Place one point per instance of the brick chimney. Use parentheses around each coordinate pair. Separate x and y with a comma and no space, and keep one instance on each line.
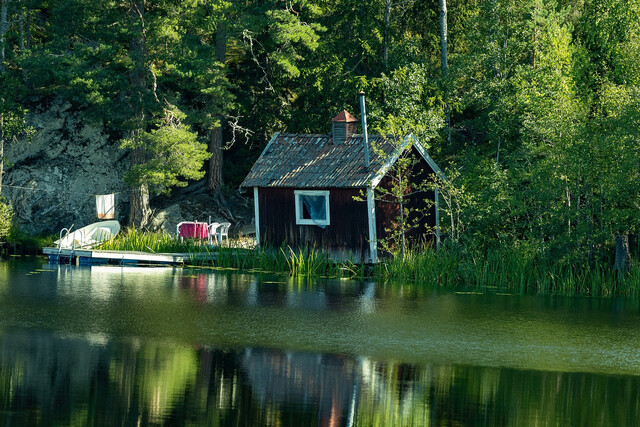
(344,125)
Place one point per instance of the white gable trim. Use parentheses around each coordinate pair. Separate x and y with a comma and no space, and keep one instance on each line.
(427,157)
(406,143)
(271,141)
(390,162)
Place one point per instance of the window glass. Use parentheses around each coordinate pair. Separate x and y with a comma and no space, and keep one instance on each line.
(312,207)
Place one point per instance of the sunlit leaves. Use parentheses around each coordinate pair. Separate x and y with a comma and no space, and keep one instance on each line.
(410,104)
(6,215)
(173,153)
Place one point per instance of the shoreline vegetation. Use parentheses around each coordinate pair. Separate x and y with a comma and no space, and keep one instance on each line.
(531,109)
(515,270)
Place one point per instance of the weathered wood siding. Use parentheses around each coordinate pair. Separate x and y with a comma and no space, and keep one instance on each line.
(346,235)
(387,211)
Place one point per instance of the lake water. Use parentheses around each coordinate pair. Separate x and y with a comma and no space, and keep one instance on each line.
(108,345)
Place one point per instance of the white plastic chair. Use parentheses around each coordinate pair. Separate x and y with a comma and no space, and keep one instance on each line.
(213,232)
(223,231)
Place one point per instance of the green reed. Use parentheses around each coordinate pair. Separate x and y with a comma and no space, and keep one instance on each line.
(304,262)
(307,262)
(516,270)
(158,242)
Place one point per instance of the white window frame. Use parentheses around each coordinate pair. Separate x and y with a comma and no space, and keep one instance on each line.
(304,221)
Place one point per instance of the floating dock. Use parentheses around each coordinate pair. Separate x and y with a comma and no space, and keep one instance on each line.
(93,257)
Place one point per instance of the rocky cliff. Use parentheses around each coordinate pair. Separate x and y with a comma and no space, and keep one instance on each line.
(52,180)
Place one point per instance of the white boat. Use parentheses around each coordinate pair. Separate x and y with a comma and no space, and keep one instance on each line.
(90,236)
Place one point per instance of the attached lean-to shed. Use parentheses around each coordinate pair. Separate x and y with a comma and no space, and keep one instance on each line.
(317,191)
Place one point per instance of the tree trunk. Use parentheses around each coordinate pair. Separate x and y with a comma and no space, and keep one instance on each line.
(4,25)
(215,162)
(1,149)
(3,30)
(535,32)
(444,63)
(28,28)
(139,208)
(623,255)
(385,41)
(402,229)
(140,215)
(567,193)
(21,30)
(215,180)
(443,36)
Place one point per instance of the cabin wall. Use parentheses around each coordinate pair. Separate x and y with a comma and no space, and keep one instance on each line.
(388,210)
(345,237)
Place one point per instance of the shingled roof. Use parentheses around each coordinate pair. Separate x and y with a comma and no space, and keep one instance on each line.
(313,161)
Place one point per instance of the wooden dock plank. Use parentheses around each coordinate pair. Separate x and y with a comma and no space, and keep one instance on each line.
(128,256)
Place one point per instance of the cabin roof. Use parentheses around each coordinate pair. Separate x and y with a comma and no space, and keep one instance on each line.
(313,161)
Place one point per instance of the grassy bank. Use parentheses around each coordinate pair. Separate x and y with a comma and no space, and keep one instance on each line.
(511,270)
(19,243)
(305,262)
(505,269)
(159,242)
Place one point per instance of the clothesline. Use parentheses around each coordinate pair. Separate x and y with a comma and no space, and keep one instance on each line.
(42,189)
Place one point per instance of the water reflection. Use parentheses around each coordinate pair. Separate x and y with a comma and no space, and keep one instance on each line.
(124,345)
(46,378)
(324,385)
(266,291)
(410,323)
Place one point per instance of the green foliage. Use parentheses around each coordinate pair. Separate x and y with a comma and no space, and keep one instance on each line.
(306,262)
(12,122)
(544,96)
(173,154)
(403,189)
(408,103)
(22,243)
(553,139)
(6,217)
(287,31)
(303,262)
(135,240)
(519,270)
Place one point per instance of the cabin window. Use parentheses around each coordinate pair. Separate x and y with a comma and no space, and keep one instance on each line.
(312,207)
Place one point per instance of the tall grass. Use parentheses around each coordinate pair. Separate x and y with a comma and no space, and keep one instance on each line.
(158,242)
(514,269)
(308,262)
(304,262)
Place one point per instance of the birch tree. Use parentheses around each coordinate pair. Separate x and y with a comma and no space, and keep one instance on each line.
(444,63)
(4,25)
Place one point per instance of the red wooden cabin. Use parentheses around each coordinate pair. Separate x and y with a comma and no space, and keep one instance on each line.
(317,191)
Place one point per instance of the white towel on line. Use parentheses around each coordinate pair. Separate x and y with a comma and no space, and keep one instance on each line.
(105,206)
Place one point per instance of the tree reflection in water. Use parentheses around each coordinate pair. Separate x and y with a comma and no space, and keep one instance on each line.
(126,346)
(46,378)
